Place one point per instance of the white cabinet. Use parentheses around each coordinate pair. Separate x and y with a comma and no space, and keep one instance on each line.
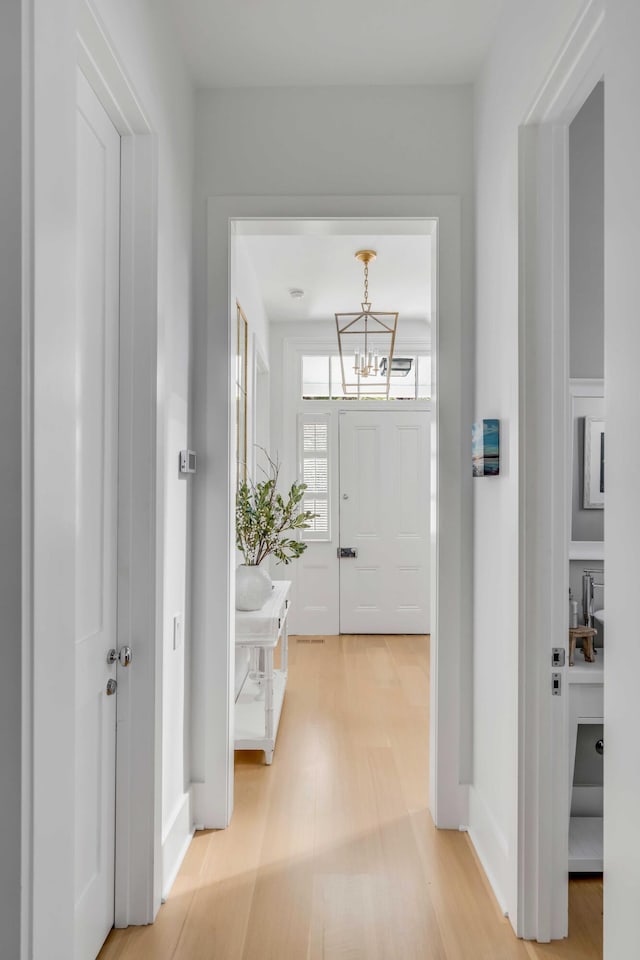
(259,702)
(585,707)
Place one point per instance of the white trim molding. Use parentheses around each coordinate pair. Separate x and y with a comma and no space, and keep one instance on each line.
(175,841)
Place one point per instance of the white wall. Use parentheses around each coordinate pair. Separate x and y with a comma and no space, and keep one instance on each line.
(142,35)
(529,37)
(312,141)
(247,292)
(11,503)
(622,349)
(586,239)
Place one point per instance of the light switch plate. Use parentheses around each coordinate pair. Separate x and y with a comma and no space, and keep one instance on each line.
(178,630)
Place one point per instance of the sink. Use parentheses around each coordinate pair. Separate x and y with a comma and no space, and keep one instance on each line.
(598,615)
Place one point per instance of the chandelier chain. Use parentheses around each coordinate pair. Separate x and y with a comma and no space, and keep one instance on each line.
(366,283)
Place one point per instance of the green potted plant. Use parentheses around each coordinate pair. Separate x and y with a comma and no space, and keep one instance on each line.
(264,520)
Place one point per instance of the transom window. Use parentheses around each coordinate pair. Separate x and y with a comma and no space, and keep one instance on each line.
(410,378)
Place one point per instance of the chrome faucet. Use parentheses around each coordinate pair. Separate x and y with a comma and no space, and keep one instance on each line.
(588,587)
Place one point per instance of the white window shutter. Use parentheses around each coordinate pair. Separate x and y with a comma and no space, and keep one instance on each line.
(314,470)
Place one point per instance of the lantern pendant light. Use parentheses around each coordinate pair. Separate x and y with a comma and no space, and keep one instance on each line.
(365,339)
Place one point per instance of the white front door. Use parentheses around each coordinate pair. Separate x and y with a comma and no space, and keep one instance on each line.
(384,518)
(97,286)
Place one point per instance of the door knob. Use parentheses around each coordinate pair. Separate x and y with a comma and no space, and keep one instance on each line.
(112,686)
(123,656)
(345,496)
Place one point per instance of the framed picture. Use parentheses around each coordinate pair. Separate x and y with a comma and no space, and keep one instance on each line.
(593,464)
(485,448)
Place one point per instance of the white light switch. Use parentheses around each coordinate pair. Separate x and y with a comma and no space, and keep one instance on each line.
(178,630)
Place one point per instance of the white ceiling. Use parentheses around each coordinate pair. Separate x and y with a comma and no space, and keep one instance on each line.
(252,43)
(324,266)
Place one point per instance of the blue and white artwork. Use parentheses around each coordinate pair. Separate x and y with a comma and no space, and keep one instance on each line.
(485,448)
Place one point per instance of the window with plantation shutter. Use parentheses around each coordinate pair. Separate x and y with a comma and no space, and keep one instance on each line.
(314,471)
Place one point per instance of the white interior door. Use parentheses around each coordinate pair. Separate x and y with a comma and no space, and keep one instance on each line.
(98,229)
(384,517)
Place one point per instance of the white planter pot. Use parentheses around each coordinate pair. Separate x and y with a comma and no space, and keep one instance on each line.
(253,587)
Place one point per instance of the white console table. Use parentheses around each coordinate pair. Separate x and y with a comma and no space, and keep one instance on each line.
(259,702)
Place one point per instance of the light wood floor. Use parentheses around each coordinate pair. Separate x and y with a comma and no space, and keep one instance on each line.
(332,854)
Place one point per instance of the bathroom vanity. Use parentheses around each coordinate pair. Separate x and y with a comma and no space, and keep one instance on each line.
(586,683)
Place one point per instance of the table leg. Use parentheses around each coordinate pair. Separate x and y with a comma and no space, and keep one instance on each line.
(284,654)
(268,694)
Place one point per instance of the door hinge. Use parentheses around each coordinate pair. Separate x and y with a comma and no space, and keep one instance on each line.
(557,657)
(556,684)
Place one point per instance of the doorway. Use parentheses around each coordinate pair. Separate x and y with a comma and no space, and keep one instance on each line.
(213,564)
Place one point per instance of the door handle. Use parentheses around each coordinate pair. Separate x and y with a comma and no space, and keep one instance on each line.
(347,553)
(123,656)
(112,686)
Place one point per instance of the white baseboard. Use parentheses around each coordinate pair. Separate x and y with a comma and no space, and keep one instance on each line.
(175,842)
(490,846)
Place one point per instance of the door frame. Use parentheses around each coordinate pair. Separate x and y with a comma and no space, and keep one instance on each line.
(213,552)
(544,507)
(79,40)
(138,853)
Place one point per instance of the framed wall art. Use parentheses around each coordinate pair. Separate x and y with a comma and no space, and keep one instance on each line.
(593,464)
(485,448)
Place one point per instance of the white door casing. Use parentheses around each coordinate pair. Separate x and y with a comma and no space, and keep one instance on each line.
(214,417)
(97,345)
(544,442)
(384,516)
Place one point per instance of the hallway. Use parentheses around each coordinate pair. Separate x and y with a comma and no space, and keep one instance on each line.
(331,853)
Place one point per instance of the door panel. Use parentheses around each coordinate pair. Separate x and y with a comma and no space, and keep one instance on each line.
(384,514)
(97,287)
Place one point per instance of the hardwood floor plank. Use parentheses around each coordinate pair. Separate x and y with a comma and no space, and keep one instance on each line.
(331,853)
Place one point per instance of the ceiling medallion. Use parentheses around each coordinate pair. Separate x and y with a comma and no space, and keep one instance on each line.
(366,340)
